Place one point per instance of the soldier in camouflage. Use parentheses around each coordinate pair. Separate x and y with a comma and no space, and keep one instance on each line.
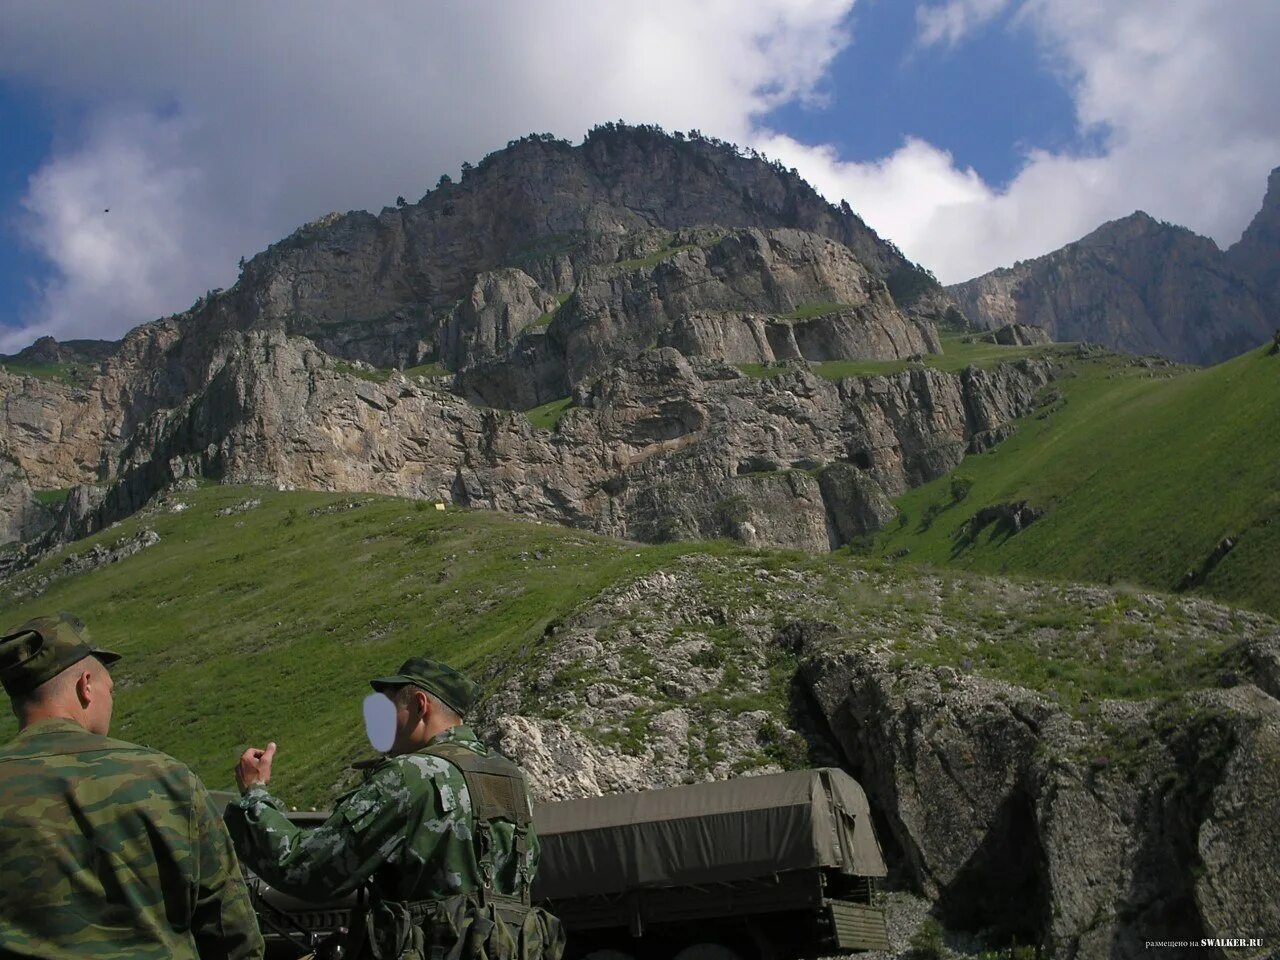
(107,849)
(440,833)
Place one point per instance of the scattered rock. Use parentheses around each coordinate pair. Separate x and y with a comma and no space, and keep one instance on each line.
(1193,578)
(99,555)
(244,506)
(1009,519)
(1018,335)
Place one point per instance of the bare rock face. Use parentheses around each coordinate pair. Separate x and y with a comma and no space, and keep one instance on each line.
(1256,254)
(22,517)
(1014,817)
(751,296)
(744,338)
(857,505)
(53,431)
(503,303)
(1139,286)
(662,447)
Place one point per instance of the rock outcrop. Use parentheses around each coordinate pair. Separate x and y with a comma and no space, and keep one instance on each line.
(1257,253)
(1018,335)
(1012,816)
(1084,827)
(1142,286)
(502,305)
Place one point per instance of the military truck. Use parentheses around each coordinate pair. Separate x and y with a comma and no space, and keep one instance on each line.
(760,867)
(757,868)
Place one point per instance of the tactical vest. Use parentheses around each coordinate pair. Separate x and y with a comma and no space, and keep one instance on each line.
(482,924)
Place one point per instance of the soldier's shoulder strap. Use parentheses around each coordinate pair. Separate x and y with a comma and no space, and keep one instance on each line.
(496,785)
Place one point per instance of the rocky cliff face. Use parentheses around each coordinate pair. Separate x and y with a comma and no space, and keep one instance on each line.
(1009,813)
(531,280)
(1257,253)
(1027,798)
(378,287)
(1142,286)
(748,296)
(22,517)
(661,446)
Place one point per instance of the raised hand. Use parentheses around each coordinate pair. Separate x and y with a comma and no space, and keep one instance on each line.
(254,768)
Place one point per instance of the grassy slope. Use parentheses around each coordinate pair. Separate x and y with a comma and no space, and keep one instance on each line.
(549,414)
(1142,476)
(76,374)
(268,623)
(955,356)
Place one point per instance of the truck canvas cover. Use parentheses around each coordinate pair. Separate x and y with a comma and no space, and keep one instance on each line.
(706,833)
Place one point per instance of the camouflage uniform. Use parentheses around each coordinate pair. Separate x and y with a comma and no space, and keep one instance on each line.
(448,869)
(107,849)
(406,831)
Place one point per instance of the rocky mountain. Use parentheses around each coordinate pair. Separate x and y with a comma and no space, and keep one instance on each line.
(47,350)
(1257,253)
(632,277)
(378,287)
(1142,286)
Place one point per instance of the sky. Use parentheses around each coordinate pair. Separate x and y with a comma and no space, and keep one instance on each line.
(145,148)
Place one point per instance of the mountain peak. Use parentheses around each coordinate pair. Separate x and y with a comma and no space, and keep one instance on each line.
(1142,285)
(1257,253)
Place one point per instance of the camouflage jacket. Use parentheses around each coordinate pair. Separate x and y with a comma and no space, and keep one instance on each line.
(108,849)
(406,832)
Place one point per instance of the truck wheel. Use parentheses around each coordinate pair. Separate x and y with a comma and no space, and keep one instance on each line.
(707,951)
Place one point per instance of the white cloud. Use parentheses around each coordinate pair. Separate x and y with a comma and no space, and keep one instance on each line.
(1180,95)
(950,22)
(216,129)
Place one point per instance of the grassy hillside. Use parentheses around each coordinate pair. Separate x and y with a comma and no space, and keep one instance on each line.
(261,615)
(267,623)
(1142,475)
(959,350)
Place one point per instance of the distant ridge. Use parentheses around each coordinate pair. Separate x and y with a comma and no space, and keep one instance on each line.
(1142,286)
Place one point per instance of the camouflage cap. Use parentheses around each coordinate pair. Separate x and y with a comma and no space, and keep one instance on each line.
(42,648)
(435,677)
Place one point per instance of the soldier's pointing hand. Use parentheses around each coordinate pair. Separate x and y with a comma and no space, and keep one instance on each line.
(254,768)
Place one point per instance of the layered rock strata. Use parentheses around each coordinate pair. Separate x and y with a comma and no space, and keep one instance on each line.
(661,447)
(748,296)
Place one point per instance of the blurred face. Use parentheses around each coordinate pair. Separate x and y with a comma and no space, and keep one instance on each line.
(380,721)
